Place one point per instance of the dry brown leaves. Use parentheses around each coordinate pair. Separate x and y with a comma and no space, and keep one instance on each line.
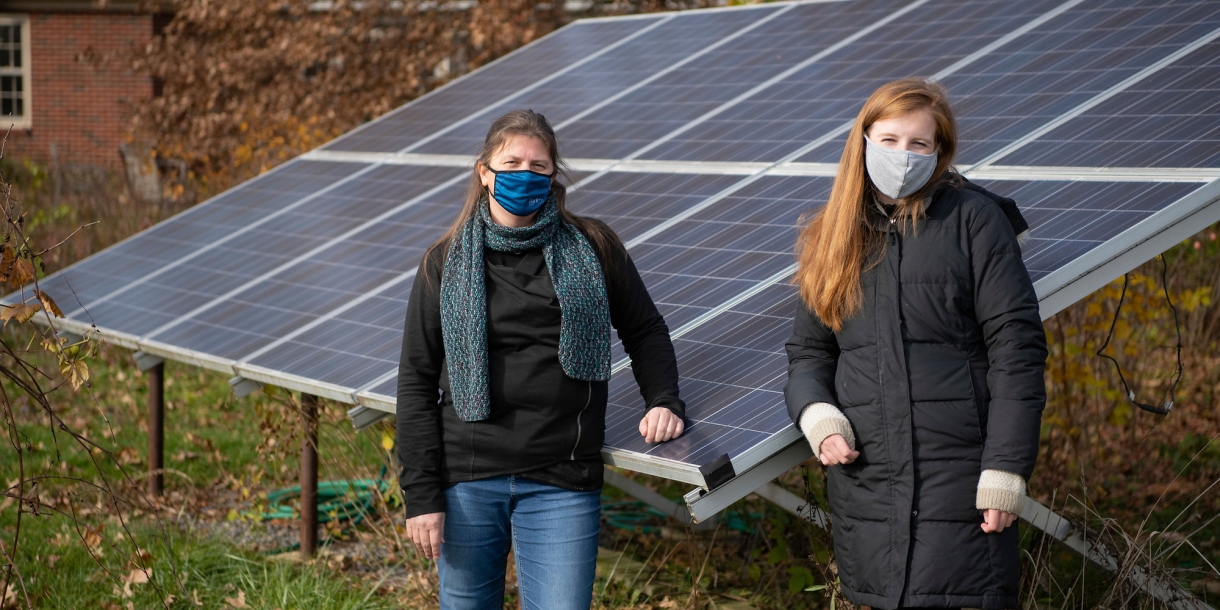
(266,81)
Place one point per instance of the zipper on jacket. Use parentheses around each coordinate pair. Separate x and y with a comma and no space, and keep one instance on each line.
(579,428)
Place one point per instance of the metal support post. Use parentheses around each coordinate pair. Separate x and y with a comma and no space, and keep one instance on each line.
(156,429)
(309,476)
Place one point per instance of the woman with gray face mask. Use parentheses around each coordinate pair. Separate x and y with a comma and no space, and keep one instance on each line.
(916,364)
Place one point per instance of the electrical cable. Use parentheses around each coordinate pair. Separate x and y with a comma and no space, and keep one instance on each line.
(1167,405)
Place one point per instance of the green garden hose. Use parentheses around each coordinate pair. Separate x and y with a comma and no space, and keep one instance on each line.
(337,500)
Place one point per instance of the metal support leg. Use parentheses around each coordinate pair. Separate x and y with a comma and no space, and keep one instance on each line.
(309,476)
(156,429)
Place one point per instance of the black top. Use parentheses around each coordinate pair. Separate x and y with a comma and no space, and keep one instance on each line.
(543,425)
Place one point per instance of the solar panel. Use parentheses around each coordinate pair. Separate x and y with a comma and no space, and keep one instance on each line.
(1172,119)
(824,94)
(702,138)
(615,73)
(513,74)
(1089,48)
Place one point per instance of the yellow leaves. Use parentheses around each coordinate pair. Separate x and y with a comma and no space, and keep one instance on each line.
(76,372)
(387,441)
(48,303)
(72,364)
(1191,300)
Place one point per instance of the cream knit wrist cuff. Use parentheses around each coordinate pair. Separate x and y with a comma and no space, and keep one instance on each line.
(1000,489)
(819,420)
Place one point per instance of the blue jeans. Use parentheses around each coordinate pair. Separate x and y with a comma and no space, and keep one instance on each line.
(553,533)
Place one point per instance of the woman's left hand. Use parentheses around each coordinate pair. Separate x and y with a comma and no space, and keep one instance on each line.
(661,424)
(995,520)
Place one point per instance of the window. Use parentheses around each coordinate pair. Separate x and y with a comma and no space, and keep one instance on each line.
(14,71)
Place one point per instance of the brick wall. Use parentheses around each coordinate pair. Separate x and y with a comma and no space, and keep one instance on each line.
(79,93)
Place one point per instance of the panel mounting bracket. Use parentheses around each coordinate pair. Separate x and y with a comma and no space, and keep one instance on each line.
(243,387)
(363,417)
(146,361)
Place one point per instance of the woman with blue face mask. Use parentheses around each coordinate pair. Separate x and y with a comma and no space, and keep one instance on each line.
(502,385)
(916,363)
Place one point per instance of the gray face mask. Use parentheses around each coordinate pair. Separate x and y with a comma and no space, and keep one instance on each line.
(897,173)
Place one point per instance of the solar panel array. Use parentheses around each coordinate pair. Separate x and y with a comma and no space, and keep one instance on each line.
(702,137)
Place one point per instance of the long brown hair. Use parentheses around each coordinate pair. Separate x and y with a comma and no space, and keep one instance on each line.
(534,125)
(835,246)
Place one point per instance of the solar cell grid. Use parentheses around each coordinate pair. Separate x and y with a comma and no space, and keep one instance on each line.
(732,380)
(1068,219)
(717,77)
(351,350)
(723,250)
(610,73)
(218,224)
(441,108)
(280,301)
(1060,64)
(353,347)
(824,95)
(1172,119)
(632,203)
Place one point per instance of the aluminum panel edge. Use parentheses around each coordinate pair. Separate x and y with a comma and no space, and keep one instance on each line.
(294,382)
(660,467)
(77,327)
(180,354)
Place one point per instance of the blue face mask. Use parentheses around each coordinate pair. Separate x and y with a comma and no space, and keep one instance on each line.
(520,192)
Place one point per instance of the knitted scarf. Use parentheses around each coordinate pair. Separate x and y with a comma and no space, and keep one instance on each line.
(584,330)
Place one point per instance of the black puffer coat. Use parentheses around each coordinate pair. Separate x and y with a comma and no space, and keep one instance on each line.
(941,377)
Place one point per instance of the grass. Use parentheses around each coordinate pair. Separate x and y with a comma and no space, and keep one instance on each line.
(201,571)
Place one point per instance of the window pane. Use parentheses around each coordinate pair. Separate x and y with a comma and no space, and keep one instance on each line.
(5,57)
(6,85)
(17,57)
(6,107)
(6,33)
(18,85)
(20,107)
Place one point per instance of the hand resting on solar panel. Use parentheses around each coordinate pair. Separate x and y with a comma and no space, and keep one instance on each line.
(915,367)
(502,386)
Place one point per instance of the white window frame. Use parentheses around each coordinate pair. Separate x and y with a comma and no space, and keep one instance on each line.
(24,121)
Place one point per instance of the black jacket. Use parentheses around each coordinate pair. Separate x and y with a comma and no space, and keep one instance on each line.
(544,425)
(941,377)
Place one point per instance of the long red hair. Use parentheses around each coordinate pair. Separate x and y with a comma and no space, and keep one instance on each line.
(837,244)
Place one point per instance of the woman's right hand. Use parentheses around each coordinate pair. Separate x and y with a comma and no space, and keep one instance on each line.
(428,533)
(835,450)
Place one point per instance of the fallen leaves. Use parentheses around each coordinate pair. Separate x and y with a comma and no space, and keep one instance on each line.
(237,601)
(137,576)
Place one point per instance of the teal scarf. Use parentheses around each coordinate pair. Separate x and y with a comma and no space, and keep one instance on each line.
(584,331)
